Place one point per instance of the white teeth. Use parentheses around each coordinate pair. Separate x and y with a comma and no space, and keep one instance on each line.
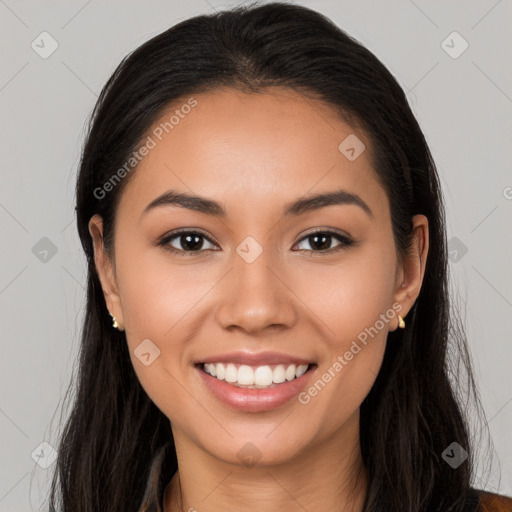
(245,375)
(301,370)
(254,377)
(279,374)
(231,374)
(263,376)
(290,372)
(219,369)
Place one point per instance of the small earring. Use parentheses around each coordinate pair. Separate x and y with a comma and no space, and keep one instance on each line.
(115,325)
(401,322)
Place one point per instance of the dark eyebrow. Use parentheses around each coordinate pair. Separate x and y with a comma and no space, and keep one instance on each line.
(327,199)
(210,207)
(184,200)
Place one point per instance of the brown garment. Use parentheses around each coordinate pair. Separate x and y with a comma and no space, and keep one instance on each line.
(490,502)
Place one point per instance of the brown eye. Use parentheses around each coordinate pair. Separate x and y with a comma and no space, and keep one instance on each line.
(321,241)
(184,242)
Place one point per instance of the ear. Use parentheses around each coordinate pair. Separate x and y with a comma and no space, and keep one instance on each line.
(410,274)
(105,270)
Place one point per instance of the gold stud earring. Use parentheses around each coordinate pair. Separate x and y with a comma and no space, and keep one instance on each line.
(401,322)
(115,325)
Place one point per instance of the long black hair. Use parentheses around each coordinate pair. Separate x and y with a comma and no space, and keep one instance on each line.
(116,451)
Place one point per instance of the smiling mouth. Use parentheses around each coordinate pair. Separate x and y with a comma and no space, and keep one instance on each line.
(255,377)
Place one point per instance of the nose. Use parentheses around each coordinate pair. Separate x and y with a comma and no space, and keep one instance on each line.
(256,297)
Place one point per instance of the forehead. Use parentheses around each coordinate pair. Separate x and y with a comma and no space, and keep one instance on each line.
(272,146)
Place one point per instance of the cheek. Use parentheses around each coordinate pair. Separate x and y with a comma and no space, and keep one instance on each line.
(354,300)
(359,325)
(156,290)
(155,310)
(161,302)
(163,385)
(341,386)
(350,296)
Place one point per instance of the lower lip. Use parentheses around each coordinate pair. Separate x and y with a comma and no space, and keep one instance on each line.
(255,400)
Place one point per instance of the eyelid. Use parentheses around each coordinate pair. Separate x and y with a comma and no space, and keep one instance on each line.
(167,237)
(345,240)
(325,229)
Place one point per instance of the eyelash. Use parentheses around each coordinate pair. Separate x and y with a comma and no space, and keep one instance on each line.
(346,242)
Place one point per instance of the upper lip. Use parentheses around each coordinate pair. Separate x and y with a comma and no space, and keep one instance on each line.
(255,358)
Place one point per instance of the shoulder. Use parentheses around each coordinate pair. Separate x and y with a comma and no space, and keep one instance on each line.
(490,502)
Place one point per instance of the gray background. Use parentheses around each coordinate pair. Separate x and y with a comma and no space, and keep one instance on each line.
(463,105)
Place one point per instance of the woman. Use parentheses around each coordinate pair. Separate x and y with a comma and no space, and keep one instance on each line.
(267,308)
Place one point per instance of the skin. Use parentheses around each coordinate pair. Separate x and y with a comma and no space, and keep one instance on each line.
(255,153)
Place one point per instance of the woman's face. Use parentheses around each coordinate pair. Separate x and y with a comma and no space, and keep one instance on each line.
(256,280)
